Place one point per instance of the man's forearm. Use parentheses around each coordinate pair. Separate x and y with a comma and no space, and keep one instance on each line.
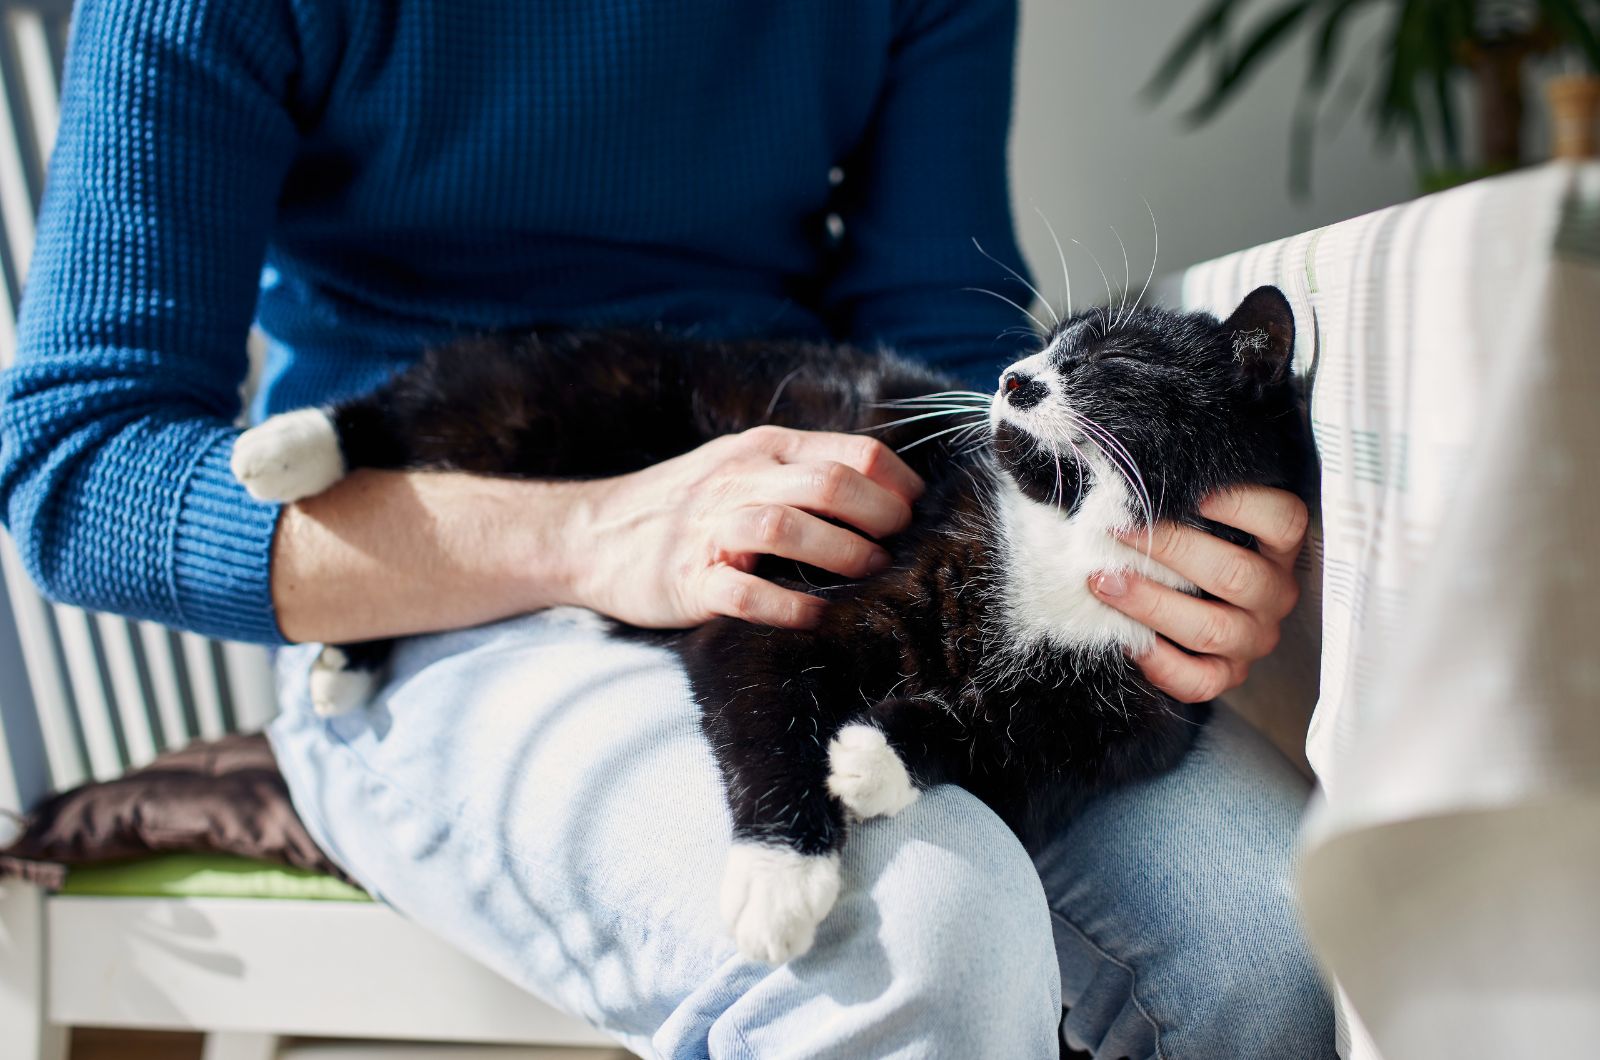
(386,554)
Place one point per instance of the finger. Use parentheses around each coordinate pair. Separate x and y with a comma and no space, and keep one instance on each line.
(838,491)
(739,595)
(1206,626)
(1187,678)
(868,456)
(779,530)
(1277,519)
(1227,571)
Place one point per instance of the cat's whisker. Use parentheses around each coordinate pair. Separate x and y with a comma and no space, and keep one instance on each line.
(932,399)
(1130,474)
(783,384)
(909,409)
(1113,450)
(1127,278)
(914,419)
(979,431)
(1127,467)
(1104,318)
(1123,473)
(1077,454)
(1020,279)
(979,440)
(1066,276)
(931,437)
(930,402)
(1154,257)
(1019,331)
(995,294)
(920,407)
(1142,490)
(942,393)
(1061,487)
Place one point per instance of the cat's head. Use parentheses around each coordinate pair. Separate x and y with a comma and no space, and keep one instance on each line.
(1172,405)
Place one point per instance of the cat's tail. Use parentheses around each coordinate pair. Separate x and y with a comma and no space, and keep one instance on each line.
(289,456)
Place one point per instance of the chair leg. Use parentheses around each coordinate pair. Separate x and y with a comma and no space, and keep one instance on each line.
(22,976)
(239,1045)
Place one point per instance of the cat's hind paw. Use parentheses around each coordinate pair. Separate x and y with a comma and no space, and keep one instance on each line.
(866,774)
(290,456)
(773,898)
(335,687)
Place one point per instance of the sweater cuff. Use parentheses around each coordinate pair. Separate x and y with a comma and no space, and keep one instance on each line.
(222,552)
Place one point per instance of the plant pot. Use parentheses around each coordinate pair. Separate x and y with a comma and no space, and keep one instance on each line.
(1574,115)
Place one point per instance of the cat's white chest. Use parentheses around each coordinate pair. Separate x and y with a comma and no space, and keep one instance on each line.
(1050,558)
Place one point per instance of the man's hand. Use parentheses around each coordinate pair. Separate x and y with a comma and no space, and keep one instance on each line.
(673,545)
(1255,592)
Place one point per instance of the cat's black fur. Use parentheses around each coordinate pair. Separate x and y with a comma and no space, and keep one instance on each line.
(923,651)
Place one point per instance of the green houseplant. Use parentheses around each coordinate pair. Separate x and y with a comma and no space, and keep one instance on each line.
(1429,48)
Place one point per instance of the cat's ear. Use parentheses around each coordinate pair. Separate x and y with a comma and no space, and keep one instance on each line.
(1262,333)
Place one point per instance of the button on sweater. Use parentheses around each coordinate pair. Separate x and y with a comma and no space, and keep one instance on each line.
(365,178)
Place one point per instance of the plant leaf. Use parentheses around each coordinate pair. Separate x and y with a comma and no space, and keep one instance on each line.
(1302,146)
(1579,27)
(1245,64)
(1208,29)
(1396,107)
(1444,100)
(1308,109)
(1330,34)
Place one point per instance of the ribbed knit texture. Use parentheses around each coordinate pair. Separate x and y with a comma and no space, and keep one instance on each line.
(367,177)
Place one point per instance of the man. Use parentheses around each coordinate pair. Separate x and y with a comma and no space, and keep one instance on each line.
(367,178)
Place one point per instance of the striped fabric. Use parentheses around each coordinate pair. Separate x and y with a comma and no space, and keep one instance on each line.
(1445,637)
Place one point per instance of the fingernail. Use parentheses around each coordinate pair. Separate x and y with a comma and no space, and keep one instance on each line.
(1112,584)
(878,561)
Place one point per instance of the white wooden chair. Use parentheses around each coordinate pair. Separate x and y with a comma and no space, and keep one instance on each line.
(89,695)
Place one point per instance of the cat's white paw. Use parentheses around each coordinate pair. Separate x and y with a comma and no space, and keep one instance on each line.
(335,689)
(773,898)
(866,774)
(289,456)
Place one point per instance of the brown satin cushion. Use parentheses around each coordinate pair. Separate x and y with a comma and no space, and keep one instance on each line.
(216,797)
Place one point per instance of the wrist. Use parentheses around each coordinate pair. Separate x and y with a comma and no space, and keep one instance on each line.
(554,563)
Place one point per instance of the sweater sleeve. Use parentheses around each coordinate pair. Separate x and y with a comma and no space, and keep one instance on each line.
(928,179)
(116,422)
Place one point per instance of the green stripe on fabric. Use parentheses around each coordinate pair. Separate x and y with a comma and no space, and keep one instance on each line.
(207,876)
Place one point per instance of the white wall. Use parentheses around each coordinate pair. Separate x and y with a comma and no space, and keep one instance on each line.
(1086,147)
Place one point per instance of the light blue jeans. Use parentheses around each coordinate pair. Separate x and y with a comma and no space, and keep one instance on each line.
(539,794)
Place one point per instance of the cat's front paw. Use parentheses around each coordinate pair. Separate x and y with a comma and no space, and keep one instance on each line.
(335,687)
(773,898)
(289,456)
(866,774)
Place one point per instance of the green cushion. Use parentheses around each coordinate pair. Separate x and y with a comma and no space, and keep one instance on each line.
(207,876)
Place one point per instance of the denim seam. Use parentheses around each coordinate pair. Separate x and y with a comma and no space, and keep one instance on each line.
(749,1051)
(1133,977)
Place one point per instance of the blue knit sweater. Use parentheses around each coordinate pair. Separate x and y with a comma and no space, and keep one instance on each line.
(366,177)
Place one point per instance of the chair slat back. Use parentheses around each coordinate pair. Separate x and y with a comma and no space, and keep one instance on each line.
(84,695)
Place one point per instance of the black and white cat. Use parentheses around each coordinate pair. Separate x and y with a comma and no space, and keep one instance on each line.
(978,658)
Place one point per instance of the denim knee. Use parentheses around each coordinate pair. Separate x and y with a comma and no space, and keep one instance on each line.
(1176,925)
(945,902)
(1232,979)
